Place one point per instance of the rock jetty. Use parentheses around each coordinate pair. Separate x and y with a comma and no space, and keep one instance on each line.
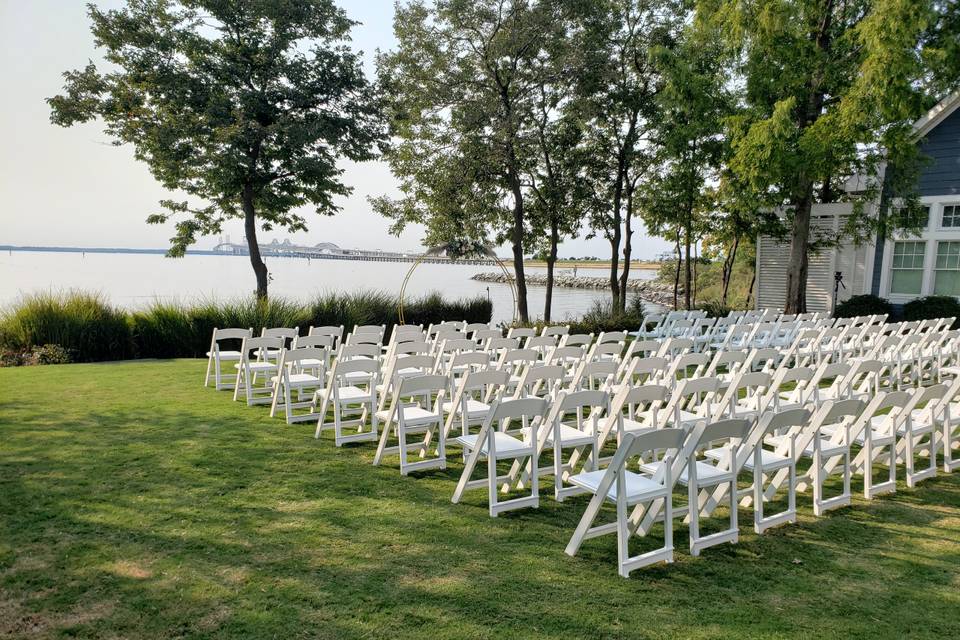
(649,290)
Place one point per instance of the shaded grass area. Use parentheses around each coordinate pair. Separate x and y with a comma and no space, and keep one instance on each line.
(136,503)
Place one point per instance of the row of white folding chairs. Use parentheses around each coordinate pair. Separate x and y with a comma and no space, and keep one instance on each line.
(595,414)
(738,332)
(675,352)
(674,323)
(417,359)
(267,372)
(899,425)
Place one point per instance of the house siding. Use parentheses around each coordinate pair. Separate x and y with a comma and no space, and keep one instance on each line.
(942,145)
(773,256)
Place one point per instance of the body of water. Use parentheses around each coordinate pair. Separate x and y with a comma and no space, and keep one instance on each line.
(132,280)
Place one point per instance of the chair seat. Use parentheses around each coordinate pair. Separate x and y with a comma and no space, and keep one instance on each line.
(569,436)
(686,417)
(300,380)
(226,355)
(413,416)
(353,376)
(639,487)
(826,447)
(353,393)
(504,444)
(636,426)
(768,459)
(706,472)
(829,393)
(475,408)
(259,366)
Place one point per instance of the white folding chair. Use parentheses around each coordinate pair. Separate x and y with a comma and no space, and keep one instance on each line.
(701,474)
(352,391)
(254,365)
(495,442)
(627,489)
(406,418)
(216,356)
(470,401)
(580,434)
(759,457)
(293,387)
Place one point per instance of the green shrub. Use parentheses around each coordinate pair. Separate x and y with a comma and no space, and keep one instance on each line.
(601,317)
(88,328)
(714,308)
(165,330)
(862,305)
(85,324)
(432,308)
(51,354)
(14,357)
(932,307)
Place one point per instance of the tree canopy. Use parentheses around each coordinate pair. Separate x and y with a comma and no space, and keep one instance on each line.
(245,106)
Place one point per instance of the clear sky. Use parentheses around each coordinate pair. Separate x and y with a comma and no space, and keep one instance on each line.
(70,187)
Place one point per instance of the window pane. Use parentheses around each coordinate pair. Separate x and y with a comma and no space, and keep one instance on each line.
(950,216)
(947,283)
(906,281)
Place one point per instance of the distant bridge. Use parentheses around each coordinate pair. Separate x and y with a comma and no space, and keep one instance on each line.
(328,251)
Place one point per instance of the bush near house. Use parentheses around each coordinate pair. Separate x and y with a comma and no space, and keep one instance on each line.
(85,327)
(862,305)
(933,307)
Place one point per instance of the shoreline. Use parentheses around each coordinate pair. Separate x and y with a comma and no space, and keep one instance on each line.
(642,265)
(648,290)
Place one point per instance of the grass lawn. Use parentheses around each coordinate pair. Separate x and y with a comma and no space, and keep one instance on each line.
(135,503)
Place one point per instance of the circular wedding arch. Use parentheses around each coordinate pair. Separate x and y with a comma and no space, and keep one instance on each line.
(482,251)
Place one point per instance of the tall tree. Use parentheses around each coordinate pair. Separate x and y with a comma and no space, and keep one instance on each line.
(616,101)
(689,145)
(461,87)
(244,106)
(553,179)
(831,88)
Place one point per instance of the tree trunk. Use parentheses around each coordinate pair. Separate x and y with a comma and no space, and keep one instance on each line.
(250,228)
(796,301)
(753,281)
(696,259)
(517,241)
(627,251)
(551,261)
(727,272)
(802,197)
(615,270)
(688,273)
(676,274)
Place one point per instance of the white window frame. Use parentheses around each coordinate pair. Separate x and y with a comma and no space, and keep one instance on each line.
(936,253)
(923,252)
(933,233)
(955,215)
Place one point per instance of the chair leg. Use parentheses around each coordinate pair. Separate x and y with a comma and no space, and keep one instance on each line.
(623,538)
(236,385)
(694,514)
(401,434)
(206,378)
(757,498)
(491,482)
(277,390)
